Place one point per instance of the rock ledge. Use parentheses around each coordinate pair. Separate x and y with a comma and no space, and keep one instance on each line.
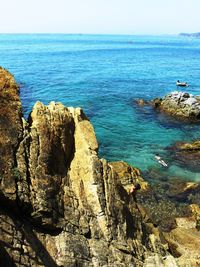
(180,105)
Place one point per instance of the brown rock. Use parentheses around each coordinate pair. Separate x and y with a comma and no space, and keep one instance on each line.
(60,204)
(141,102)
(10,133)
(186,223)
(186,154)
(184,241)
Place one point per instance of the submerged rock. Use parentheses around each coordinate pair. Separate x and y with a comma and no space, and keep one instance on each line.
(141,102)
(60,205)
(165,201)
(186,154)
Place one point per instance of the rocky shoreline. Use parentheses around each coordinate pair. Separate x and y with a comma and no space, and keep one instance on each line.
(63,206)
(180,105)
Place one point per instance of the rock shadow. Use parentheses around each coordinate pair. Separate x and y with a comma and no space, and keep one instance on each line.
(25,228)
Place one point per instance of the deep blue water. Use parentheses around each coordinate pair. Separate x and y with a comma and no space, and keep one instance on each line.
(103,74)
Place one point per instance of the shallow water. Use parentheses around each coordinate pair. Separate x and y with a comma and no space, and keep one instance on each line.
(103,74)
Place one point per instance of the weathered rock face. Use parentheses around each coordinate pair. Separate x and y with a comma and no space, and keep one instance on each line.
(174,205)
(179,105)
(60,204)
(10,132)
(185,241)
(43,160)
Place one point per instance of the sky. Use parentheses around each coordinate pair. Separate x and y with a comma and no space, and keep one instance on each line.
(100,16)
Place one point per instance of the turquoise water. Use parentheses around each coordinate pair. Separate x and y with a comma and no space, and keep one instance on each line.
(103,74)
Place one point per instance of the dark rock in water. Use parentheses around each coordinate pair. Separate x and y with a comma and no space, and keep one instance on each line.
(60,205)
(141,102)
(166,199)
(186,154)
(180,105)
(156,102)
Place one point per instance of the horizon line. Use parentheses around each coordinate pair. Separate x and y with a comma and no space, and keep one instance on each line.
(78,33)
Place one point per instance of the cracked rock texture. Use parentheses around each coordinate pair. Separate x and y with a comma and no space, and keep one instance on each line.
(60,205)
(180,105)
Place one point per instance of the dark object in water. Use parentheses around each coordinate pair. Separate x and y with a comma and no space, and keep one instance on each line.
(182,84)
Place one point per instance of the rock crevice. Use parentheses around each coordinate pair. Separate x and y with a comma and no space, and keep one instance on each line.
(61,204)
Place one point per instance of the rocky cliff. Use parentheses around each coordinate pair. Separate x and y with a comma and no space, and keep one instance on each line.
(60,205)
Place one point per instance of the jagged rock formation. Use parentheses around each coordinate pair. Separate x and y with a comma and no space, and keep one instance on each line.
(60,204)
(180,105)
(10,131)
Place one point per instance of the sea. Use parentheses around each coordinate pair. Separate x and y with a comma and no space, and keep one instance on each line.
(105,75)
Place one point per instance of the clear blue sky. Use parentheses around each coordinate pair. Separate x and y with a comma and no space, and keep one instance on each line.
(100,16)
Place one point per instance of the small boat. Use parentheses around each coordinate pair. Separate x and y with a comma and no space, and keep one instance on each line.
(183,84)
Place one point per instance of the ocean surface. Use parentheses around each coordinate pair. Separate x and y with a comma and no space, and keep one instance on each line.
(104,74)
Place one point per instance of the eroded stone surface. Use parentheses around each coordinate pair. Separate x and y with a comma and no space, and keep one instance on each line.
(10,132)
(180,105)
(184,242)
(63,206)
